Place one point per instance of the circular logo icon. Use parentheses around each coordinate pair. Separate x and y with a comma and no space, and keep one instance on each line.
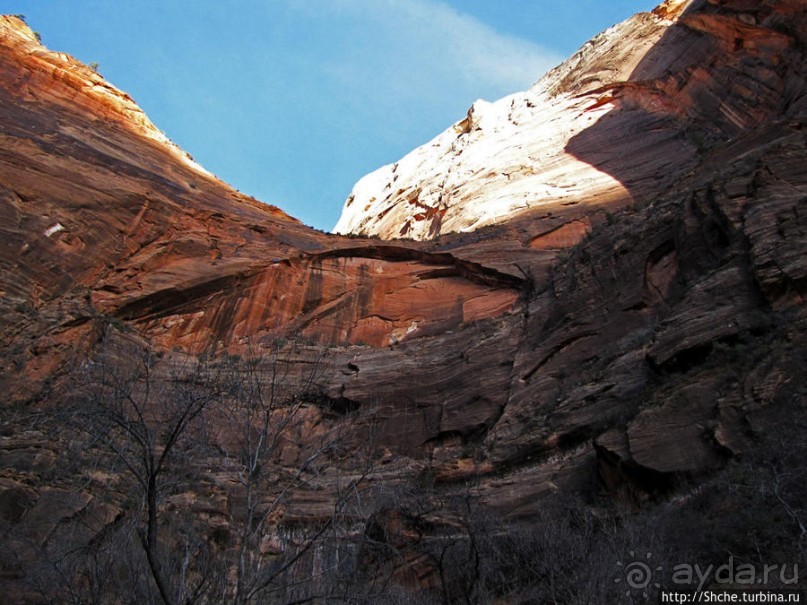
(637,574)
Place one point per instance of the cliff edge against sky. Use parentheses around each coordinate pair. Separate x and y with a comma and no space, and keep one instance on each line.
(601,291)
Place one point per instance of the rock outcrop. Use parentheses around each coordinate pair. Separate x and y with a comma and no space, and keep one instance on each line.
(680,118)
(102,215)
(511,157)
(610,300)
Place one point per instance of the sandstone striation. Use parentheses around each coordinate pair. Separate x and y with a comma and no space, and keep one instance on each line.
(510,157)
(102,215)
(609,300)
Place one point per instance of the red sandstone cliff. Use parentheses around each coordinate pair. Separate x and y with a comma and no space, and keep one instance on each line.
(629,343)
(102,215)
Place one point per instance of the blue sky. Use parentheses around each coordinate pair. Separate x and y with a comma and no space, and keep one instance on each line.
(292,101)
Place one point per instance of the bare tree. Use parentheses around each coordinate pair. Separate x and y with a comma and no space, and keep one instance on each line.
(280,437)
(214,457)
(150,421)
(263,412)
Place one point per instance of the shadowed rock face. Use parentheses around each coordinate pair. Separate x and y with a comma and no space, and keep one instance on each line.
(632,353)
(626,334)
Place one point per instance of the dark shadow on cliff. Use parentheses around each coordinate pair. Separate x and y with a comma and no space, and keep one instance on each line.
(682,305)
(723,69)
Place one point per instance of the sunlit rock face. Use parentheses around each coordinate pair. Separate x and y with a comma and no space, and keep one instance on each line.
(620,307)
(680,76)
(645,198)
(102,216)
(509,157)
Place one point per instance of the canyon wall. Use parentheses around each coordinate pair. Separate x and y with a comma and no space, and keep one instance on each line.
(600,290)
